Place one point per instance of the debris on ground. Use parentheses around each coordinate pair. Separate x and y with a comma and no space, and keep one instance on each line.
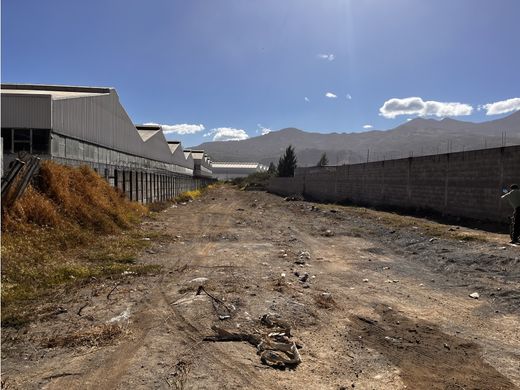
(293,198)
(276,349)
(474,295)
(328,233)
(303,257)
(223,311)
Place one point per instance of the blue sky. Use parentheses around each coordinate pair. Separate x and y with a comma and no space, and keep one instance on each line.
(229,69)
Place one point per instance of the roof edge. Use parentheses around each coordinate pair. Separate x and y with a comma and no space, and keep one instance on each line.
(56,88)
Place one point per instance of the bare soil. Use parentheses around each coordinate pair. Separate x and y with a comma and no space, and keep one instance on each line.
(385,305)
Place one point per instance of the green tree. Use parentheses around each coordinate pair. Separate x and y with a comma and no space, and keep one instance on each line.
(272,168)
(323,160)
(287,163)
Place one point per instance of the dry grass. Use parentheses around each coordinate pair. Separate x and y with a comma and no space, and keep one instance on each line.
(96,336)
(69,227)
(189,195)
(427,226)
(324,301)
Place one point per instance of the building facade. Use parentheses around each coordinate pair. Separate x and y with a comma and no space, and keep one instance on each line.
(89,126)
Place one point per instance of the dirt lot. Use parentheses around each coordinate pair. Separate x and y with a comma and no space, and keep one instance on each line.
(385,305)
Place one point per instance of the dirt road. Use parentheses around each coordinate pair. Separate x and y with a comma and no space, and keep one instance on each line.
(385,305)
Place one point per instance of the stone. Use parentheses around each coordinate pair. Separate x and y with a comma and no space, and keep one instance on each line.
(474,295)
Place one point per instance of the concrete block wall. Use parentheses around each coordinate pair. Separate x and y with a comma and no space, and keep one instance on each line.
(465,184)
(286,186)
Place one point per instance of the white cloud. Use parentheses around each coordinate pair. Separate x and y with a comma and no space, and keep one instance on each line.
(227,134)
(306,99)
(329,57)
(367,127)
(263,130)
(349,96)
(416,106)
(183,128)
(331,95)
(501,107)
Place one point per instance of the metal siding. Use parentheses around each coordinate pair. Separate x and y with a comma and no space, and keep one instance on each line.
(103,121)
(26,111)
(97,119)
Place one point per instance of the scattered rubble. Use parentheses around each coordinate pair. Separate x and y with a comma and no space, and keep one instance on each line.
(303,257)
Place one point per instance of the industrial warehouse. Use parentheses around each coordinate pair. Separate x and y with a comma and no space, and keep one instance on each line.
(231,170)
(89,126)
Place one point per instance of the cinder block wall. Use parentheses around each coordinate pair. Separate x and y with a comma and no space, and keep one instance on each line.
(465,184)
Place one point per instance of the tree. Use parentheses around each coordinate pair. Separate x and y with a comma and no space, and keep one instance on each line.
(323,160)
(272,168)
(287,163)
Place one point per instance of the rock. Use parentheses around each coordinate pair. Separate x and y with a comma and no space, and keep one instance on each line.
(365,280)
(328,233)
(198,281)
(303,257)
(304,278)
(433,239)
(474,295)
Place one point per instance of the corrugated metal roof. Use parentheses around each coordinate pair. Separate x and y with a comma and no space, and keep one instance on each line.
(55,95)
(226,164)
(94,115)
(56,92)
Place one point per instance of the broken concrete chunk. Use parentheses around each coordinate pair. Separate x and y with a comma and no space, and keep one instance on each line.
(303,257)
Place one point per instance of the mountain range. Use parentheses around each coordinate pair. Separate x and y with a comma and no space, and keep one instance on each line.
(413,138)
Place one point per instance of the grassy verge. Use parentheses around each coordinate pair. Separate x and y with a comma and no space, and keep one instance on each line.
(255,181)
(427,226)
(70,227)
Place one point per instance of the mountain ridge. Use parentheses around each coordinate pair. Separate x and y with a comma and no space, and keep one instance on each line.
(420,136)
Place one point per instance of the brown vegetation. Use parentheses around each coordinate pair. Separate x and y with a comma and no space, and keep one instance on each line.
(69,226)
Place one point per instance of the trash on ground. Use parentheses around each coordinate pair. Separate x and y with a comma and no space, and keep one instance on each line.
(474,295)
(276,349)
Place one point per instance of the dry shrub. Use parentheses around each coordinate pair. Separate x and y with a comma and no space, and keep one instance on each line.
(94,337)
(188,195)
(65,228)
(86,198)
(325,301)
(32,208)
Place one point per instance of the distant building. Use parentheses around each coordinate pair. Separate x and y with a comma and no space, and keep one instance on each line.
(202,166)
(230,170)
(88,125)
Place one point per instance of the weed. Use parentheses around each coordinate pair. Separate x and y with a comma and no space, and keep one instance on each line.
(93,337)
(188,196)
(67,228)
(324,300)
